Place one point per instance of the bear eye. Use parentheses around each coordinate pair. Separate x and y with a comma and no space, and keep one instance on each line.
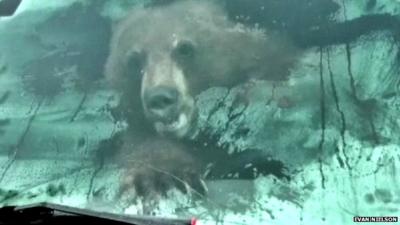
(185,49)
(136,62)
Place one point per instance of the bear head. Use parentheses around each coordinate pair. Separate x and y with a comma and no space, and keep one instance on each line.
(162,57)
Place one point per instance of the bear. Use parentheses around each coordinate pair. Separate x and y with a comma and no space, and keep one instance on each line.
(161,58)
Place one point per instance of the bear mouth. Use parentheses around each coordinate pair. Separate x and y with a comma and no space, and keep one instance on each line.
(178,127)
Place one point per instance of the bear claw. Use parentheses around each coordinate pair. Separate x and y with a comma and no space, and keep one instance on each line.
(158,167)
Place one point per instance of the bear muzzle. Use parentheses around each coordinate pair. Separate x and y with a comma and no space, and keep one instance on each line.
(171,112)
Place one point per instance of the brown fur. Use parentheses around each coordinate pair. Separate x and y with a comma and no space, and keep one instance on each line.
(143,56)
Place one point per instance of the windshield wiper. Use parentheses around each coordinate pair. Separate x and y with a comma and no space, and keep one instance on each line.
(47,213)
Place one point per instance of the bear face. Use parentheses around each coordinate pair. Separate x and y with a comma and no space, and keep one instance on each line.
(167,55)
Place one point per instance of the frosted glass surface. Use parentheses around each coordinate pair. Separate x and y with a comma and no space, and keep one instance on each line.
(319,146)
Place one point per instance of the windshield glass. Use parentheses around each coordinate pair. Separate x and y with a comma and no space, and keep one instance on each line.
(229,111)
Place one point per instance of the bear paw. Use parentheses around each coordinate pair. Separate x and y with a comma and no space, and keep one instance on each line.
(158,167)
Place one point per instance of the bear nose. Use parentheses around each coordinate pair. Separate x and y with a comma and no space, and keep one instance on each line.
(161,98)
